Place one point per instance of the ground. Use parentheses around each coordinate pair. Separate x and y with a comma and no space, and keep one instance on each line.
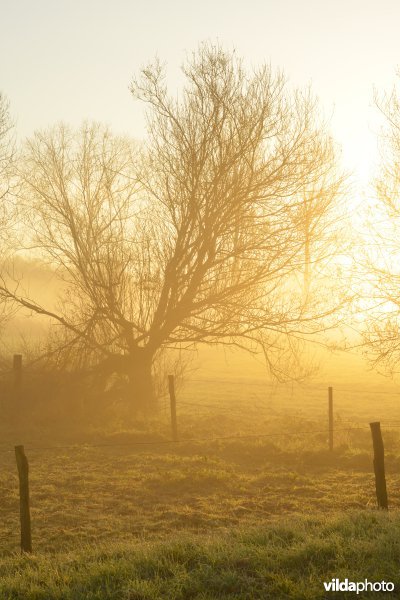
(249,504)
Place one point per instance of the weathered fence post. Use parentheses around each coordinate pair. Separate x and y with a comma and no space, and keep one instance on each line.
(24,510)
(172,397)
(330,417)
(17,369)
(379,465)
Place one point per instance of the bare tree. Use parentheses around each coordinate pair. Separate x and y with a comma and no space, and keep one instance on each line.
(380,289)
(321,219)
(7,182)
(6,145)
(7,155)
(200,237)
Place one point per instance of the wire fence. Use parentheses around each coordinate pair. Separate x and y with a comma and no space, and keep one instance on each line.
(89,445)
(232,408)
(237,408)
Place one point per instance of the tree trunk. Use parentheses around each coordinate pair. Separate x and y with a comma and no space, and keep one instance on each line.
(141,389)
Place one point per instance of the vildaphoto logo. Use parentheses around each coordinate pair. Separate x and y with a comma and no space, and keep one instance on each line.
(358,586)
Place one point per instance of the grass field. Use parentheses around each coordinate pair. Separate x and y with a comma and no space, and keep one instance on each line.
(285,559)
(249,504)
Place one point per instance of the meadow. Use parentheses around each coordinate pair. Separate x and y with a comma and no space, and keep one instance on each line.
(250,503)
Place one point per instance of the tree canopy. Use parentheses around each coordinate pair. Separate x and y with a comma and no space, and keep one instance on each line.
(196,236)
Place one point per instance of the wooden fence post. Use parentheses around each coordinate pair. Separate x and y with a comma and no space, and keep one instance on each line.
(17,368)
(330,417)
(24,510)
(172,397)
(379,465)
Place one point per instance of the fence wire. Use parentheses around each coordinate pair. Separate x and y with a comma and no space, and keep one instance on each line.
(86,446)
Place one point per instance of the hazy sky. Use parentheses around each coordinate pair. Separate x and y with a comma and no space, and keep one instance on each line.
(69,60)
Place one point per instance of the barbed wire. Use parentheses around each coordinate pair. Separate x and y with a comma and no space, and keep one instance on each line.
(299,386)
(194,440)
(238,409)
